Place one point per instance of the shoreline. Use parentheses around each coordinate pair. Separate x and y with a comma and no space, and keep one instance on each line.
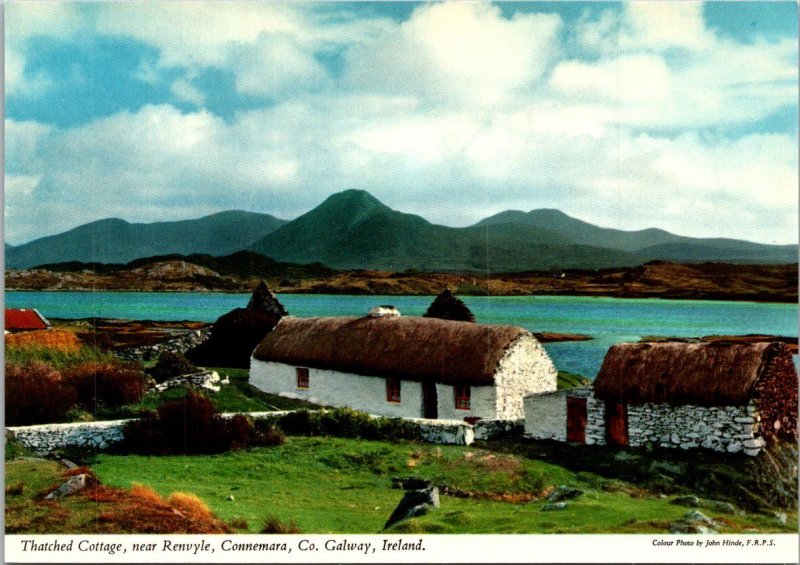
(710,297)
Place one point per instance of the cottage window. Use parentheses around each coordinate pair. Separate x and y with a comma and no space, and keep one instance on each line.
(393,390)
(302,377)
(462,394)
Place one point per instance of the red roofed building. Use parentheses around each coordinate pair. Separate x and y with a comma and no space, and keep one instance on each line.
(25,320)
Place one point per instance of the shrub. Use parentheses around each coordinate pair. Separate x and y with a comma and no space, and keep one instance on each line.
(170,365)
(346,422)
(36,394)
(190,505)
(267,435)
(274,526)
(188,425)
(111,383)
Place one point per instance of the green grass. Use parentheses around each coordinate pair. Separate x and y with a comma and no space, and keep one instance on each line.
(342,485)
(567,380)
(238,396)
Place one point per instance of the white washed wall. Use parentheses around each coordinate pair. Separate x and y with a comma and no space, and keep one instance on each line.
(524,369)
(482,402)
(546,416)
(332,388)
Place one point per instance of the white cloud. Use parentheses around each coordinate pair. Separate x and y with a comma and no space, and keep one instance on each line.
(456,53)
(457,104)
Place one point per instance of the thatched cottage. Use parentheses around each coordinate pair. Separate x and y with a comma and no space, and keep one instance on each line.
(722,396)
(404,366)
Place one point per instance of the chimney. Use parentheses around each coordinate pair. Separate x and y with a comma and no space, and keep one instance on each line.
(384,311)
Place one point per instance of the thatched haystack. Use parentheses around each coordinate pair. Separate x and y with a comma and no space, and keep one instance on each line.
(447,307)
(235,334)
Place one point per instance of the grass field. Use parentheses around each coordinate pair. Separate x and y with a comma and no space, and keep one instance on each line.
(340,485)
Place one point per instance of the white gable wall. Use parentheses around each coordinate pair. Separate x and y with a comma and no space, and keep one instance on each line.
(524,369)
(333,388)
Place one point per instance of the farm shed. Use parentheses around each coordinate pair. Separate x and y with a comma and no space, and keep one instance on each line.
(727,397)
(390,365)
(24,320)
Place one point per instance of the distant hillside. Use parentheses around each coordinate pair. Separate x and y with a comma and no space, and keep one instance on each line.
(649,244)
(352,229)
(243,264)
(117,241)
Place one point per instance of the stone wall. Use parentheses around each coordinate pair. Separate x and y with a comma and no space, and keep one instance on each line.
(49,438)
(730,429)
(178,345)
(497,429)
(595,421)
(721,428)
(46,439)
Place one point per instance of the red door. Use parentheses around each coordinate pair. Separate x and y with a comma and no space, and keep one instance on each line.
(616,424)
(576,419)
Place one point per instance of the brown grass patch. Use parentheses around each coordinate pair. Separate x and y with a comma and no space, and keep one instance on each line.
(61,340)
(190,505)
(142,510)
(274,526)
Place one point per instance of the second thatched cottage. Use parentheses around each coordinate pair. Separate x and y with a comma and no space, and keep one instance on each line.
(390,365)
(730,397)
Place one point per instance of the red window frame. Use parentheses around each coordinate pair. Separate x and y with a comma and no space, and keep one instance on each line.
(302,377)
(392,390)
(462,395)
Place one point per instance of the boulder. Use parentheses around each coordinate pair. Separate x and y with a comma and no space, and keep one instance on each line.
(563,492)
(554,506)
(75,484)
(690,500)
(720,506)
(414,503)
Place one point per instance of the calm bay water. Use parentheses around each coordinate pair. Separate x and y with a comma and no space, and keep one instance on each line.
(607,320)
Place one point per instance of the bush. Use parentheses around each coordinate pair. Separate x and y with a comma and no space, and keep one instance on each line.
(36,394)
(267,435)
(346,422)
(170,365)
(111,383)
(189,425)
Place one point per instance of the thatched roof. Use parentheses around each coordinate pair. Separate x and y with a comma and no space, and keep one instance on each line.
(702,374)
(422,349)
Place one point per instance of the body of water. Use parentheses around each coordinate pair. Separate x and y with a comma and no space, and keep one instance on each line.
(606,320)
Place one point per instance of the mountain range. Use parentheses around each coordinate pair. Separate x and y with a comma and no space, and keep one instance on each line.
(354,230)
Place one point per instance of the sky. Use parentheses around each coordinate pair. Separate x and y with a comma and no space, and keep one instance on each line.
(678,115)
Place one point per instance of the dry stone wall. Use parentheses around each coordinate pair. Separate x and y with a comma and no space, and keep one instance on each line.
(48,438)
(730,429)
(721,428)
